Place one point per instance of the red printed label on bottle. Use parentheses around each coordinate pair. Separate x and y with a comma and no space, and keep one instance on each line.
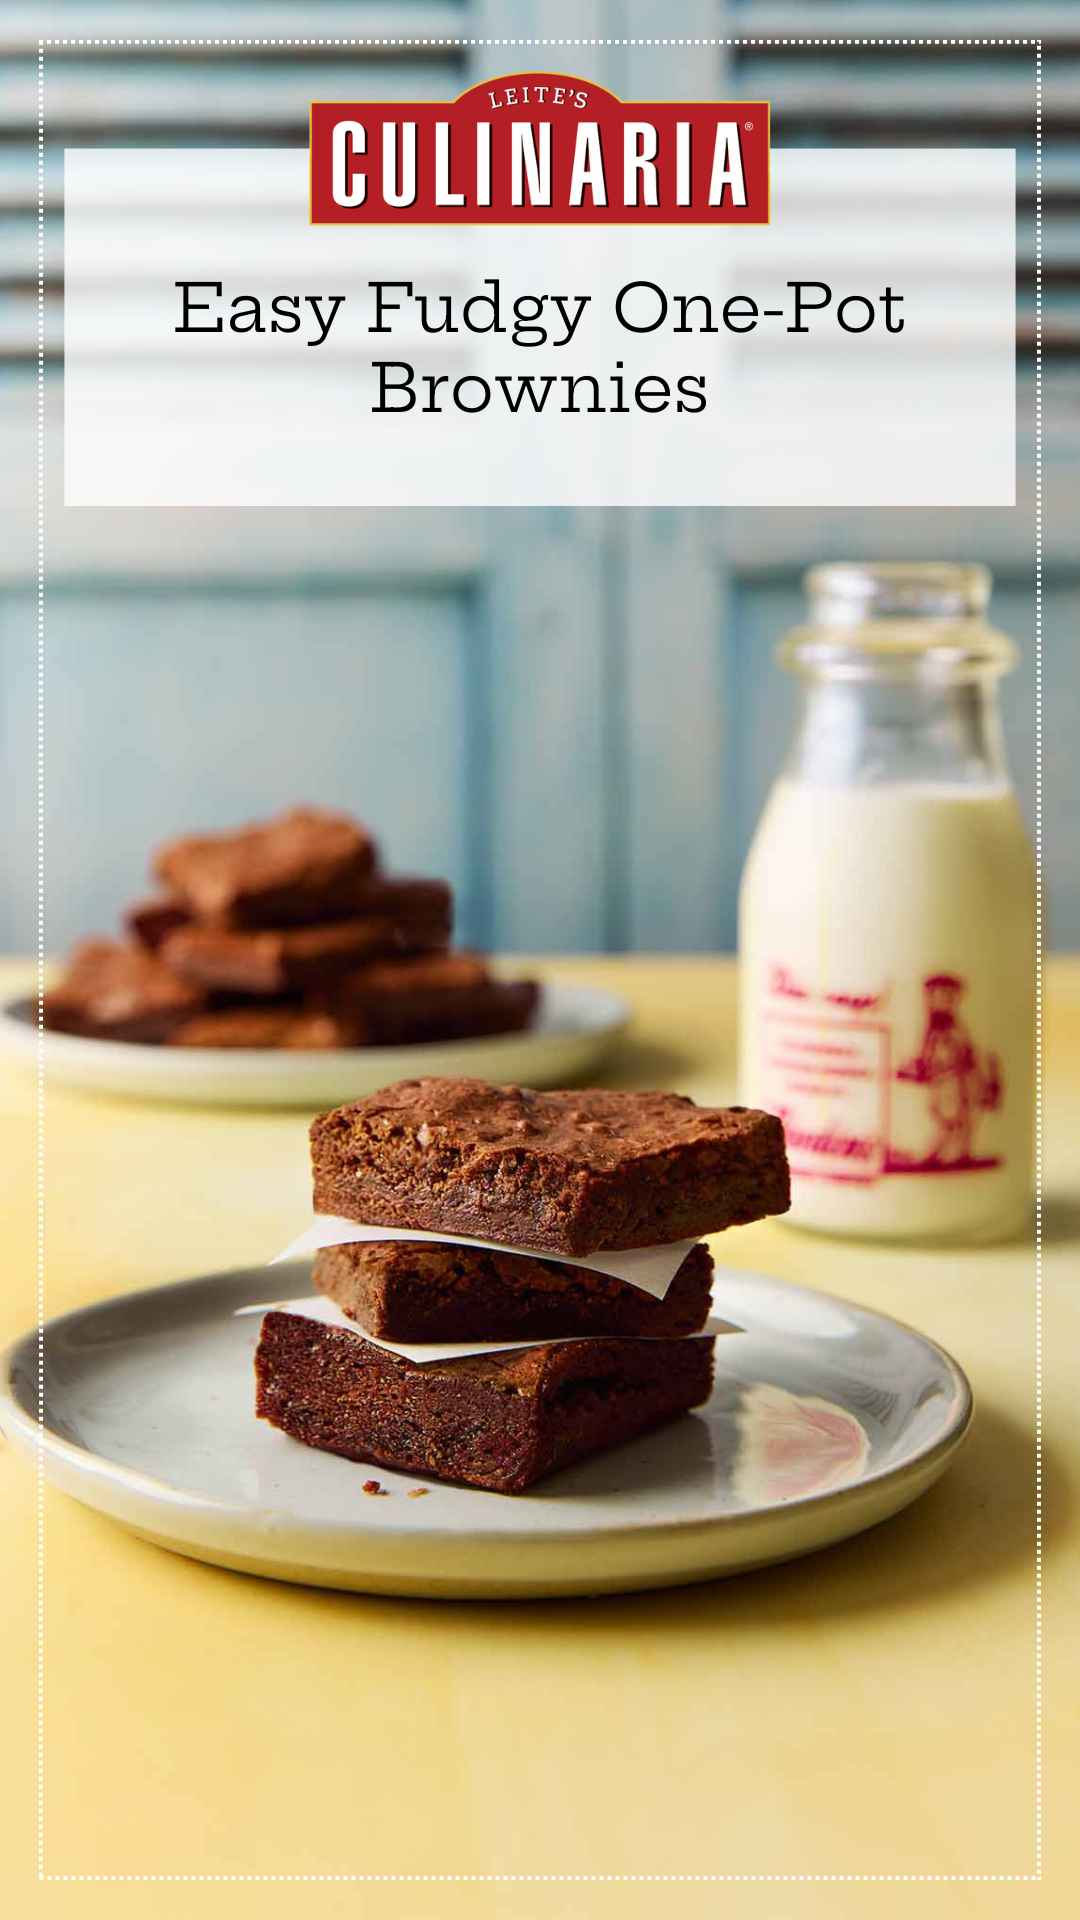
(860,1096)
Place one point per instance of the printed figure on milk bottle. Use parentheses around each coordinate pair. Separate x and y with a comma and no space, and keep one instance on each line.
(886,919)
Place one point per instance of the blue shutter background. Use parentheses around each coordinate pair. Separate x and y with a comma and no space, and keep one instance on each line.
(573,715)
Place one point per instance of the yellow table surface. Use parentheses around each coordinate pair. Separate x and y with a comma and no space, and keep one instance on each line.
(869,1711)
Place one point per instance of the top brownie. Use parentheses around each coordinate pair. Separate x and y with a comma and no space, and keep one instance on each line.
(573,1172)
(306,865)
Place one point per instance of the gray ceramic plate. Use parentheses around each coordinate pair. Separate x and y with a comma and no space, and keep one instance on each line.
(825,1419)
(576,1026)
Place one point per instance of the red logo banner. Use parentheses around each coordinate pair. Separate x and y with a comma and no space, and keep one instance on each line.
(544,148)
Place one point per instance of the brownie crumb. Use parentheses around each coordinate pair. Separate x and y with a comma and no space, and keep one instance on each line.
(373,1486)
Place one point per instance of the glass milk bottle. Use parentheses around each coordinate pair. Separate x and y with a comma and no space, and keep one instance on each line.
(886,918)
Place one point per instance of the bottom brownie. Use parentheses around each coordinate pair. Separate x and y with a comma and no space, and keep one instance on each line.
(408,1290)
(496,1420)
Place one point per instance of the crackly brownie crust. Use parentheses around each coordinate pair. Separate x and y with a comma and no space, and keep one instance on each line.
(287,959)
(306,865)
(565,1172)
(405,1290)
(499,1421)
(116,992)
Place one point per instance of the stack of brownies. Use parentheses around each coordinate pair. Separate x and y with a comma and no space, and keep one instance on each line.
(286,934)
(561,1360)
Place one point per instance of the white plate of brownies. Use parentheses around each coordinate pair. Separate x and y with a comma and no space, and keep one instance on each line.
(279,964)
(574,1028)
(825,1418)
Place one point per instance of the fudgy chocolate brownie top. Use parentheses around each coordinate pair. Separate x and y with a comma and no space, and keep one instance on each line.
(565,1172)
(294,868)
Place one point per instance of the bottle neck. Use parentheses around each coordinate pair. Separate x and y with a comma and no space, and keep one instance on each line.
(873,728)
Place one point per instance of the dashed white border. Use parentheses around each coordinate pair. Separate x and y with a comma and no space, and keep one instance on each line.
(1039,1796)
(39,1536)
(458,41)
(606,1879)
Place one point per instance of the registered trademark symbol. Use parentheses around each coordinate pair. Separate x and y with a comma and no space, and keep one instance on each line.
(748,126)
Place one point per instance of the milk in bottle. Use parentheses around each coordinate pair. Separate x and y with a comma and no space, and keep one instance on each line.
(886,921)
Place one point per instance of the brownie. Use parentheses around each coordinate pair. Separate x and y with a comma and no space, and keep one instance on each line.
(564,1172)
(455,1013)
(403,898)
(116,992)
(449,996)
(306,865)
(403,1290)
(499,1420)
(410,974)
(151,921)
(289,958)
(283,1026)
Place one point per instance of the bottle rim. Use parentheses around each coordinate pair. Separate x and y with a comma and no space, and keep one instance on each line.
(842,592)
(911,614)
